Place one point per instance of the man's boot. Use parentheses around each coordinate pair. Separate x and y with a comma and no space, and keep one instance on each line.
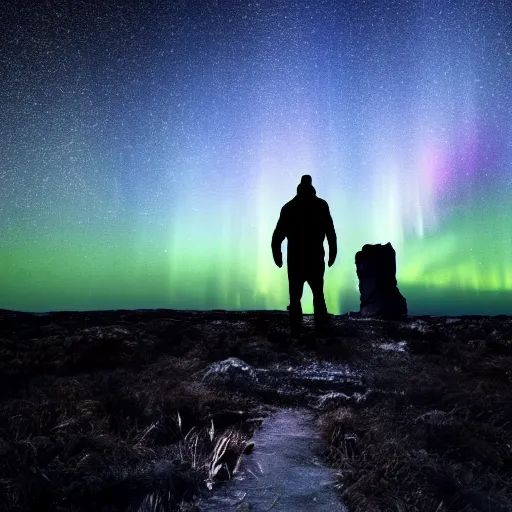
(322,324)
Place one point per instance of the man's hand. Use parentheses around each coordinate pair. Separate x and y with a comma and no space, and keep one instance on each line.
(332,259)
(278,260)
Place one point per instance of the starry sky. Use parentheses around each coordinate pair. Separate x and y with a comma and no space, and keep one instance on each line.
(147,148)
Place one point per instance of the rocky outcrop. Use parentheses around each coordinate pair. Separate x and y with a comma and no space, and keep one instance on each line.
(232,373)
(376,270)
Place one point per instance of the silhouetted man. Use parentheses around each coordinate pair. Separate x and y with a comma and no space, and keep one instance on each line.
(305,221)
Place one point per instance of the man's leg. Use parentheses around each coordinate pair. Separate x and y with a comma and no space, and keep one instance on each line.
(296,287)
(316,283)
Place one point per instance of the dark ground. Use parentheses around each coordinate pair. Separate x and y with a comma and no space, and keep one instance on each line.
(107,410)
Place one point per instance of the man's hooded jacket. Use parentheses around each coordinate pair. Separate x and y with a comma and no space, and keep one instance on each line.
(305,221)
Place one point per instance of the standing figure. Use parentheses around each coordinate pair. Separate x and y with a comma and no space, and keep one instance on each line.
(305,221)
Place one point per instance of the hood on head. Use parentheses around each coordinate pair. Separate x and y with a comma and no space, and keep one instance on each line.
(305,187)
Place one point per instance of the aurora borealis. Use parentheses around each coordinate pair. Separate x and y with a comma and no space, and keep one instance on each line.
(147,148)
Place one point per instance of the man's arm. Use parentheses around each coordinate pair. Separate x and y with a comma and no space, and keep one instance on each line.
(277,239)
(331,238)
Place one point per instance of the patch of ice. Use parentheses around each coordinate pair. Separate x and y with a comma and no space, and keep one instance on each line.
(324,371)
(120,330)
(419,325)
(228,364)
(399,346)
(452,320)
(335,398)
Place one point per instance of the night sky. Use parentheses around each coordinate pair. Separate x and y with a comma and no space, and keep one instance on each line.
(147,148)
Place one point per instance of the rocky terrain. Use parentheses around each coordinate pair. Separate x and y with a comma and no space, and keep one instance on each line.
(153,410)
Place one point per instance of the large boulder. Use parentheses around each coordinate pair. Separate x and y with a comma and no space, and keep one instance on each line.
(376,270)
(232,373)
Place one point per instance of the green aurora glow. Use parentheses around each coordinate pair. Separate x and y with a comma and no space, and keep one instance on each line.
(144,166)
